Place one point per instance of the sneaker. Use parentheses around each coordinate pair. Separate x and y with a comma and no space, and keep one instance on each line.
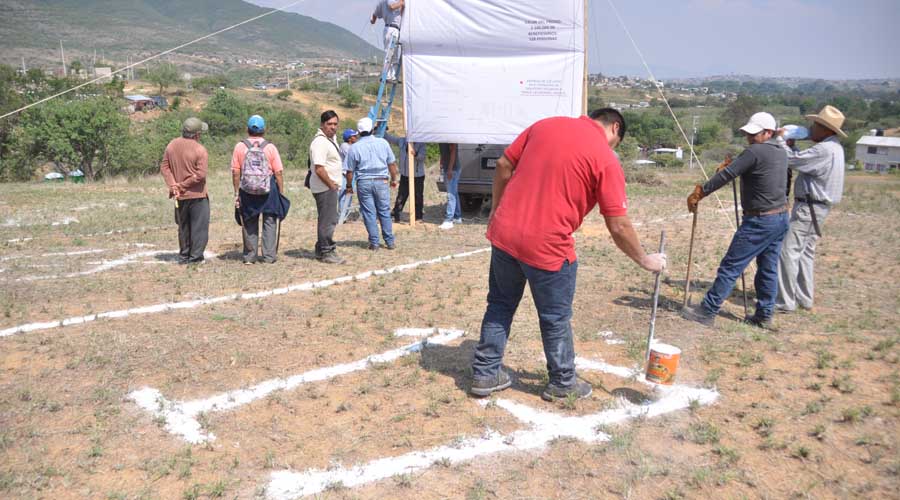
(764,323)
(249,262)
(331,258)
(448,224)
(581,390)
(485,386)
(372,247)
(698,313)
(457,220)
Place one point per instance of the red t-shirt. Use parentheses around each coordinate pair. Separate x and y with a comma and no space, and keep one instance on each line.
(564,166)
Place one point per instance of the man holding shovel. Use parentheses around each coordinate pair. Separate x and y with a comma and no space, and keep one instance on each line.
(762,168)
(547,181)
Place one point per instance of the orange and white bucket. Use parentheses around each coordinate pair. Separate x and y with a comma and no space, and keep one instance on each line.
(663,364)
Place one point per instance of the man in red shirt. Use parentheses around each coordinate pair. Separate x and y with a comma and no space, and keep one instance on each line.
(547,181)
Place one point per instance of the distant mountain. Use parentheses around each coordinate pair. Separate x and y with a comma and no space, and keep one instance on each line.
(116,28)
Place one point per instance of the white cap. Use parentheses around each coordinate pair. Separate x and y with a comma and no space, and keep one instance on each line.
(364,125)
(760,122)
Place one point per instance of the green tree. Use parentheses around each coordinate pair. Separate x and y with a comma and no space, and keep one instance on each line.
(740,110)
(351,98)
(80,134)
(164,76)
(225,113)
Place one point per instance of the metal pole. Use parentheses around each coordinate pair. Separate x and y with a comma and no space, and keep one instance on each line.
(687,279)
(694,133)
(62,57)
(737,220)
(662,249)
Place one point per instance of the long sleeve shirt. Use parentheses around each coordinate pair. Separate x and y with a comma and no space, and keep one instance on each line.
(419,150)
(185,164)
(820,170)
(763,172)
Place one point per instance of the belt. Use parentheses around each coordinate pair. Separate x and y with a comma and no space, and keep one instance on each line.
(812,213)
(392,25)
(759,213)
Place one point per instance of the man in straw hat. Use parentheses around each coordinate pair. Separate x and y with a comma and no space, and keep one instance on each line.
(819,185)
(762,168)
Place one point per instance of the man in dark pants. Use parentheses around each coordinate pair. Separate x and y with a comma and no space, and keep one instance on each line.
(184,168)
(263,172)
(419,151)
(762,168)
(547,181)
(327,164)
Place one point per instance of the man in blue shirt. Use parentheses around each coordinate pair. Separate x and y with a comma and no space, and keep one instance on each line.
(373,163)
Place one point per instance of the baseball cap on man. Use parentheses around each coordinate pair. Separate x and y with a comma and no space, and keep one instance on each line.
(348,133)
(256,124)
(194,126)
(760,122)
(364,125)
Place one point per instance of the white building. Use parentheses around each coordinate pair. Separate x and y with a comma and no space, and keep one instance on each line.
(878,154)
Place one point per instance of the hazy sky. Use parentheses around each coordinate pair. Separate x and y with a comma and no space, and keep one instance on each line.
(808,38)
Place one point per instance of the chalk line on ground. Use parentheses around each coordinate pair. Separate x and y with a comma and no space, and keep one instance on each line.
(181,416)
(190,304)
(107,265)
(544,427)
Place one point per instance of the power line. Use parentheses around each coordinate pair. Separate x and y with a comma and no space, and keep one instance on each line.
(165,52)
(666,101)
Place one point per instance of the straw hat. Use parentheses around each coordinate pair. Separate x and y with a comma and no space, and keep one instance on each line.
(831,119)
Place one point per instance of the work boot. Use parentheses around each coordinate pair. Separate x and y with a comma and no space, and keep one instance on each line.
(390,246)
(764,323)
(482,387)
(580,390)
(372,247)
(700,315)
(331,258)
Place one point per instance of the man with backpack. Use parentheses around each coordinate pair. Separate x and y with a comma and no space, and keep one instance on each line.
(326,165)
(257,176)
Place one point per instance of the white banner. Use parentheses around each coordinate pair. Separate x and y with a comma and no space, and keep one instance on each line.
(481,71)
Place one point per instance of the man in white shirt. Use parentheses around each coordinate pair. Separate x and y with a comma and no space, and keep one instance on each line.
(392,13)
(325,181)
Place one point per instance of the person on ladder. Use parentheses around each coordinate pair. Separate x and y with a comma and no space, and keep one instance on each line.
(762,168)
(392,13)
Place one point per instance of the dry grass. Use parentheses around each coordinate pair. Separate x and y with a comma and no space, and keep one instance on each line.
(812,411)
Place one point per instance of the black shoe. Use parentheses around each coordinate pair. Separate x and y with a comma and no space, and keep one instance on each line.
(485,386)
(372,247)
(580,390)
(396,217)
(331,258)
(764,323)
(698,314)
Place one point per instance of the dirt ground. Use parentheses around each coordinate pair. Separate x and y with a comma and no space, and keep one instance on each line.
(810,411)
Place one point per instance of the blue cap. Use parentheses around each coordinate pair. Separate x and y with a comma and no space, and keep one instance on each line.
(256,124)
(349,133)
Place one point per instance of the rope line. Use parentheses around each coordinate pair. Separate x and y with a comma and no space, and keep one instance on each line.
(156,56)
(666,101)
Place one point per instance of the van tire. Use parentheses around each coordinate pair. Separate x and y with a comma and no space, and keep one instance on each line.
(471,202)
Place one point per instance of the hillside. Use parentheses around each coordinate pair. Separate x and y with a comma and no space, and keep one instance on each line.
(120,28)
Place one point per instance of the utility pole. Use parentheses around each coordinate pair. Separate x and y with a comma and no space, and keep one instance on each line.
(62,57)
(24,69)
(693,134)
(348,73)
(289,79)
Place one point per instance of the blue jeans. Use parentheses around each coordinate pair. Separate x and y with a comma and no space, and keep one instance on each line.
(758,237)
(552,291)
(345,200)
(454,211)
(375,206)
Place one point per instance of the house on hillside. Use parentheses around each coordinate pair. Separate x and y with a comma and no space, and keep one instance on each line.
(878,153)
(139,102)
